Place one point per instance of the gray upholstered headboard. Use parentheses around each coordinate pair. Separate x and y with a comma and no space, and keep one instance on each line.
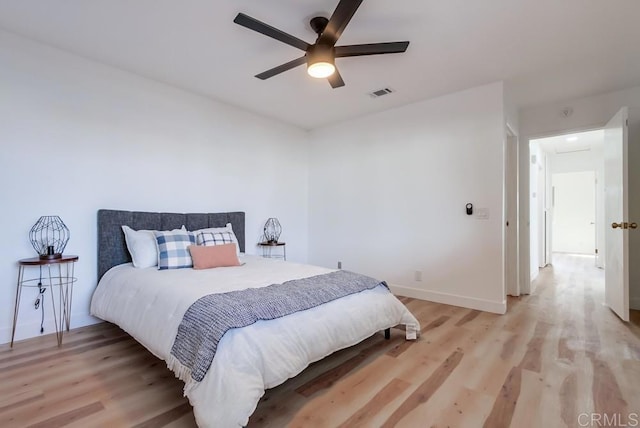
(112,249)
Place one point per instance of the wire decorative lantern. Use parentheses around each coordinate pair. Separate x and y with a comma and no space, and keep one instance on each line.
(49,237)
(272,230)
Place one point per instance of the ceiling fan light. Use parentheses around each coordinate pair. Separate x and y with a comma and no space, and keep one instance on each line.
(321,69)
(320,61)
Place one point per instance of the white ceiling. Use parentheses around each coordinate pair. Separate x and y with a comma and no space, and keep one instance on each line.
(571,143)
(547,50)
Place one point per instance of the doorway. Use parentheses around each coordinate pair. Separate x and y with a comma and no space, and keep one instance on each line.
(615,159)
(567,197)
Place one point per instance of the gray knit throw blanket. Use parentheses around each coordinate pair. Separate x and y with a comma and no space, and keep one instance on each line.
(211,316)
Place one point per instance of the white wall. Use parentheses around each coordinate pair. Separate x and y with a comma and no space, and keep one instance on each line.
(547,120)
(388,194)
(77,136)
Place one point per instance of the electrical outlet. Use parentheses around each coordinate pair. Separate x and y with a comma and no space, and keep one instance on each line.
(339,265)
(418,275)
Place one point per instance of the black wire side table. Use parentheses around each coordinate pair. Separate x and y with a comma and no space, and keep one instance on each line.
(267,247)
(49,277)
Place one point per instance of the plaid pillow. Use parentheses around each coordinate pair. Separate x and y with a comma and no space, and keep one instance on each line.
(217,236)
(172,249)
(211,238)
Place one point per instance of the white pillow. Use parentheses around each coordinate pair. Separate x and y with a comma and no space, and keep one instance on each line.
(142,246)
(217,235)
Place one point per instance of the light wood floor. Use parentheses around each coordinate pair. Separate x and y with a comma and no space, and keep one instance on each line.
(555,355)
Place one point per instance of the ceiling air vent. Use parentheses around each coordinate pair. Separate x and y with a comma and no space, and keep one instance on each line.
(381,92)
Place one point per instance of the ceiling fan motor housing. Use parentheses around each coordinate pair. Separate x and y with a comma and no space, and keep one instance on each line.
(320,53)
(318,24)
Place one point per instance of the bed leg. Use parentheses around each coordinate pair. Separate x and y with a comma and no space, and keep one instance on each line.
(387,334)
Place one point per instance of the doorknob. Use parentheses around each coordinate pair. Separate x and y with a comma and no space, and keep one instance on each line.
(624,225)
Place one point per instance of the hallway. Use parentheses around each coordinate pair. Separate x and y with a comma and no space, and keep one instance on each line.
(593,358)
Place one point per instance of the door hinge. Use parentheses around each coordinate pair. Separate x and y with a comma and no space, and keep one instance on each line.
(596,251)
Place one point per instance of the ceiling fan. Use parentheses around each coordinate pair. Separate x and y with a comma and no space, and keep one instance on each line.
(320,56)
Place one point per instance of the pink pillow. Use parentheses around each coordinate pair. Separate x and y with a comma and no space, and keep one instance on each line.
(214,256)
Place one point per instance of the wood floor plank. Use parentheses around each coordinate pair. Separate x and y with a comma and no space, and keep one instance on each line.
(20,399)
(607,397)
(505,404)
(535,395)
(59,355)
(470,316)
(435,323)
(532,360)
(363,416)
(165,418)
(465,408)
(399,349)
(70,416)
(566,349)
(328,378)
(425,390)
(568,394)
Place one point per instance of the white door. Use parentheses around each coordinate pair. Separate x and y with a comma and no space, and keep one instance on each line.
(574,212)
(616,214)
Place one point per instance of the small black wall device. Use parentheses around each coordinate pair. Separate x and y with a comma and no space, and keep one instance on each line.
(469,209)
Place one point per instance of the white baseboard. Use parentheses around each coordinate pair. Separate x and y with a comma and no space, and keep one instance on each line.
(27,330)
(451,299)
(634,303)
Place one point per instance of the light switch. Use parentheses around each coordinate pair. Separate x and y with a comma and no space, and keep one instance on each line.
(482,213)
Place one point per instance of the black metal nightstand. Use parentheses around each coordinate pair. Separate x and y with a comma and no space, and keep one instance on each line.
(267,250)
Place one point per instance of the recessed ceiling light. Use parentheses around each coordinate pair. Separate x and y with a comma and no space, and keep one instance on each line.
(572,138)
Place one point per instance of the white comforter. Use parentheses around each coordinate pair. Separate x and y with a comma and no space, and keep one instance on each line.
(149,305)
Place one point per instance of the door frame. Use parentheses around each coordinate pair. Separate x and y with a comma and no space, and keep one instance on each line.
(511,216)
(524,228)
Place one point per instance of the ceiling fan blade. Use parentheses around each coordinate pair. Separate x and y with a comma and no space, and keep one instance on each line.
(268,30)
(338,21)
(282,68)
(371,49)
(335,79)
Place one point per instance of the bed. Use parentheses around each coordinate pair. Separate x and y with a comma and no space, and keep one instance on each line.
(150,304)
